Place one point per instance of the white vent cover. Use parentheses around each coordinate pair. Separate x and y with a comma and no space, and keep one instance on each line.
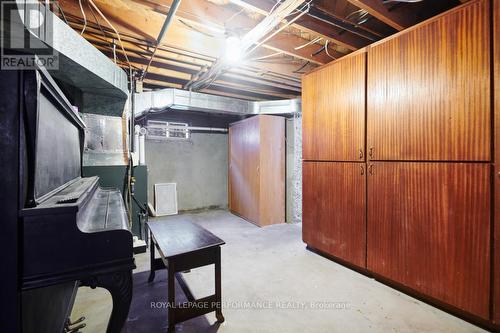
(163,130)
(166,199)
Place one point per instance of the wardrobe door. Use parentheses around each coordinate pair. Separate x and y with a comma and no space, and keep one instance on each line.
(334,210)
(429,90)
(429,229)
(272,170)
(244,159)
(333,111)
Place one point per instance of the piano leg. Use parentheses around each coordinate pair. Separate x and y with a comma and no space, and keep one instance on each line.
(119,285)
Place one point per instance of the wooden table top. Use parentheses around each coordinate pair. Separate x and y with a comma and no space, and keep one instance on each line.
(181,237)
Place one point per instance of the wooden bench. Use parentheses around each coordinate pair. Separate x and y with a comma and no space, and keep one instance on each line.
(182,246)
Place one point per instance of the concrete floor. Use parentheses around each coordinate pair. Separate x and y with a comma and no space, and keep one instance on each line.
(271,283)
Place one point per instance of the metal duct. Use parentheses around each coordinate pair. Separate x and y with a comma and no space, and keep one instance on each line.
(175,99)
(103,85)
(284,106)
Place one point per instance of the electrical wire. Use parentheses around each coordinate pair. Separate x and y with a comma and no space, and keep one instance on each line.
(315,40)
(319,51)
(61,11)
(326,50)
(274,7)
(194,29)
(298,71)
(234,15)
(112,45)
(280,29)
(278,12)
(84,17)
(267,56)
(116,32)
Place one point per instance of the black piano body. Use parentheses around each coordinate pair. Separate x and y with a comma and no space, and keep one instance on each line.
(71,231)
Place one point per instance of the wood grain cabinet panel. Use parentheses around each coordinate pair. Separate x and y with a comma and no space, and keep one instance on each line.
(429,229)
(496,245)
(333,111)
(334,210)
(429,94)
(244,160)
(256,177)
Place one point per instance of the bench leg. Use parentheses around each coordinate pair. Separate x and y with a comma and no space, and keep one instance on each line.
(171,296)
(218,287)
(152,258)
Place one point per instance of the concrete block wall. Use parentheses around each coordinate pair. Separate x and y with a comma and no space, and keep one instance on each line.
(197,165)
(294,169)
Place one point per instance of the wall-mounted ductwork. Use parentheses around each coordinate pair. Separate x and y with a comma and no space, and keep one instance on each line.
(94,82)
(175,99)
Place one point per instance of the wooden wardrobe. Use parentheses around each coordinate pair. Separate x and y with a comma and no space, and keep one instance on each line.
(256,184)
(414,206)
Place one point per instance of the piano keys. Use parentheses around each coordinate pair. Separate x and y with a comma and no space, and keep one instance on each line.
(71,231)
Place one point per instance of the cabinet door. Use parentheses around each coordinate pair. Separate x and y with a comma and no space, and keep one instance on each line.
(496,245)
(272,170)
(334,211)
(333,111)
(429,90)
(244,141)
(429,229)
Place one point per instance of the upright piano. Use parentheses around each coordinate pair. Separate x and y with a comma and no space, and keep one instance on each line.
(70,231)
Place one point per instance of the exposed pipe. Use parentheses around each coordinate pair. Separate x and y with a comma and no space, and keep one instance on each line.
(142,146)
(197,128)
(166,24)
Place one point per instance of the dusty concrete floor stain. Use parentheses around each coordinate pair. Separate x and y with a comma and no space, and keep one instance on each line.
(267,274)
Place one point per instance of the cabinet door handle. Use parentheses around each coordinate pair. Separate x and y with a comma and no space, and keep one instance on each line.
(362,170)
(370,152)
(361,154)
(370,169)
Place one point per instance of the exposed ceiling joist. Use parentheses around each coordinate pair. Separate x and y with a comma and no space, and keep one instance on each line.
(376,8)
(280,72)
(197,38)
(311,25)
(219,18)
(177,74)
(178,36)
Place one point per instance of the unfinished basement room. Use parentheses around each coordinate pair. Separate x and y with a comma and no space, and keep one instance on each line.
(250,166)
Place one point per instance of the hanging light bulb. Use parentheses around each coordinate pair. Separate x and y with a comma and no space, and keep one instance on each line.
(233,53)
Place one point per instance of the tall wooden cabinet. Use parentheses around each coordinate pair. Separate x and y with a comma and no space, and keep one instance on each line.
(334,168)
(419,214)
(257,169)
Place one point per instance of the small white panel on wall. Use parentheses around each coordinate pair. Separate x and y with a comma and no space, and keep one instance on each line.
(165,199)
